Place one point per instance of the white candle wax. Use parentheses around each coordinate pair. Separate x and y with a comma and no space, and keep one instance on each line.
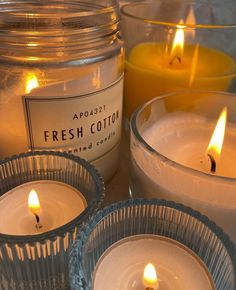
(60,203)
(68,100)
(183,138)
(121,266)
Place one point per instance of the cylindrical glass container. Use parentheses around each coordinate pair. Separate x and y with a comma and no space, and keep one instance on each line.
(61,78)
(126,223)
(173,45)
(170,137)
(70,189)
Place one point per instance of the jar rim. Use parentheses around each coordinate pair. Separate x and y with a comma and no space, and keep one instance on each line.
(35,33)
(127,11)
(53,11)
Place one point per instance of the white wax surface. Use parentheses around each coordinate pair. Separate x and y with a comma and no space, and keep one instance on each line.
(121,266)
(60,203)
(184,137)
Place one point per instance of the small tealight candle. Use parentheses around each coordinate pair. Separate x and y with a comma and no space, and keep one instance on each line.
(44,199)
(117,244)
(59,204)
(177,267)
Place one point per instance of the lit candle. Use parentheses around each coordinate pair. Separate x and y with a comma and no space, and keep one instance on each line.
(192,151)
(183,163)
(191,135)
(177,267)
(150,280)
(91,130)
(25,213)
(79,109)
(45,198)
(155,68)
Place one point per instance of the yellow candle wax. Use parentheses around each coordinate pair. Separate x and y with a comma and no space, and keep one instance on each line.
(151,71)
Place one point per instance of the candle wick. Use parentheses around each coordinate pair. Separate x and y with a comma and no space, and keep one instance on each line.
(38,225)
(149,288)
(213,163)
(178,58)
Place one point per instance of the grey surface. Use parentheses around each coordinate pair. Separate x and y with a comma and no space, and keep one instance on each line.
(118,187)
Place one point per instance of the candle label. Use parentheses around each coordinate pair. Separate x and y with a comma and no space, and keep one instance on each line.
(85,125)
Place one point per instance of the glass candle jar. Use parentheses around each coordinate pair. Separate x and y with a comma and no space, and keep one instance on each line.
(170,155)
(61,79)
(69,189)
(173,45)
(116,243)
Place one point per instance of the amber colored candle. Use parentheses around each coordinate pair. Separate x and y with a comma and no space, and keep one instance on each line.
(152,71)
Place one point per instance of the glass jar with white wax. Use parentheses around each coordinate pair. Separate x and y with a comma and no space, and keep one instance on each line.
(187,250)
(183,149)
(61,79)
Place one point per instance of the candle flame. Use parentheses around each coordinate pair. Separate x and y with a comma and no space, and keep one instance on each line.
(178,43)
(33,201)
(216,142)
(150,279)
(31,82)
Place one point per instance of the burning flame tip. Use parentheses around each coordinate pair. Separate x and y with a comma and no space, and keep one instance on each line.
(178,43)
(33,201)
(150,276)
(217,139)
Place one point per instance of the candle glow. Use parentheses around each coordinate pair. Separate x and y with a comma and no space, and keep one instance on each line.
(216,142)
(150,280)
(31,82)
(33,201)
(175,60)
(215,146)
(34,206)
(178,43)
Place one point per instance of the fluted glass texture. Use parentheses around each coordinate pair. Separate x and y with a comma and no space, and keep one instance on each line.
(39,262)
(158,217)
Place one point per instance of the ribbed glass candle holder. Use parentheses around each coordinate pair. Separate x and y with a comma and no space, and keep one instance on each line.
(39,261)
(156,218)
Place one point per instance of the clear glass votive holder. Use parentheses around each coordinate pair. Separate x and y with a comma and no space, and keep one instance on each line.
(36,258)
(174,45)
(169,140)
(152,218)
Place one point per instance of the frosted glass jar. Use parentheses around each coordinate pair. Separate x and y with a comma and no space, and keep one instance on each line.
(61,79)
